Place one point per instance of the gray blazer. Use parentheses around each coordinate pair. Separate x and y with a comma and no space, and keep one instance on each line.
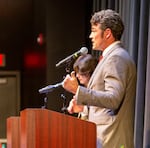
(111,96)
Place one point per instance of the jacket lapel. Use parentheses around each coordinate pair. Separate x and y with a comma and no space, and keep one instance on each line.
(97,69)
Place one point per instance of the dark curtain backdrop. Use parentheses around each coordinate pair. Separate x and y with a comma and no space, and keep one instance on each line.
(136,39)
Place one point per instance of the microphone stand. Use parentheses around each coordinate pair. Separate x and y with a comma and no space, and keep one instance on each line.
(45,102)
(64,108)
(68,70)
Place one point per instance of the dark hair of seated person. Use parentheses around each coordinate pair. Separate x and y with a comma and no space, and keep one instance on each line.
(85,64)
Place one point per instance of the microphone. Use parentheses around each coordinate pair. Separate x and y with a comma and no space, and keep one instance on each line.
(49,88)
(75,55)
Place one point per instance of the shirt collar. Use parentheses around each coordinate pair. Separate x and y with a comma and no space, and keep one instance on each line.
(109,47)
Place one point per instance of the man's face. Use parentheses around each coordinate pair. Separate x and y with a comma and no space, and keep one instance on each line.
(97,37)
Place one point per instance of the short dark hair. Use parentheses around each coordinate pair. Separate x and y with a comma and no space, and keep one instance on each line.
(109,19)
(85,64)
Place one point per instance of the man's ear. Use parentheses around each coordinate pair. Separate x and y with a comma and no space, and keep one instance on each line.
(108,33)
(107,36)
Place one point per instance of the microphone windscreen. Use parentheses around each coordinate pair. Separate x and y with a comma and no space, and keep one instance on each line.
(84,50)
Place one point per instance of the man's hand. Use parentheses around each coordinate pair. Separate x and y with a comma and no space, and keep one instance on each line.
(73,107)
(70,83)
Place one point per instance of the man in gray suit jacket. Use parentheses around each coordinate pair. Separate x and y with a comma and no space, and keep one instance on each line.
(110,94)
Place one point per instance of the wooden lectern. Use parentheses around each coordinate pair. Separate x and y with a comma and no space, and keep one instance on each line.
(13,132)
(43,128)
